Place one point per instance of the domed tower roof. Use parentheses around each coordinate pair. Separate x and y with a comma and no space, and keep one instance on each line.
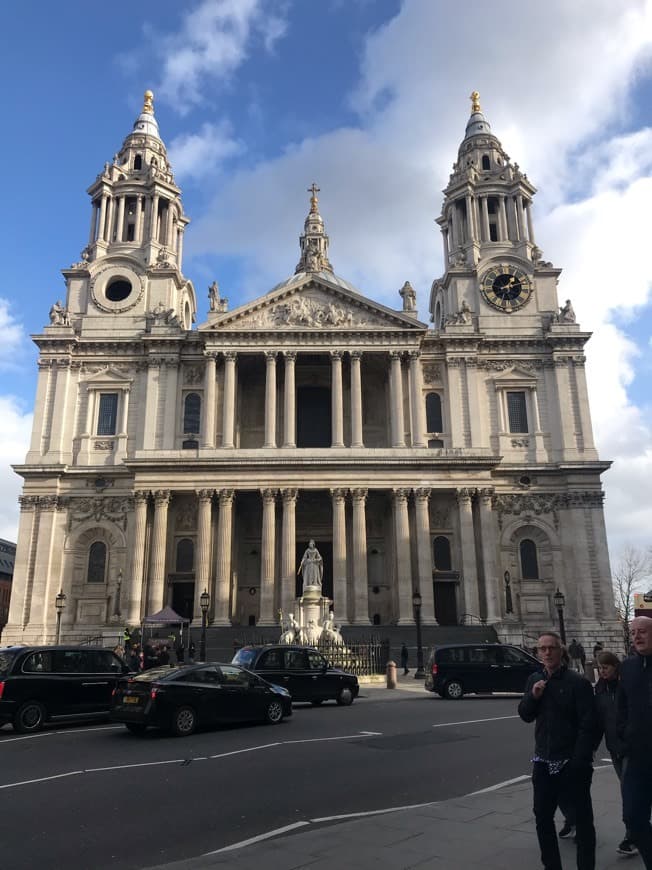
(146,122)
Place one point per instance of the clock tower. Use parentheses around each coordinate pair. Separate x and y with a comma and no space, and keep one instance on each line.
(494,269)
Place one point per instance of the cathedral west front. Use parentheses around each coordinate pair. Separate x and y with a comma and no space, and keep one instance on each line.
(454,458)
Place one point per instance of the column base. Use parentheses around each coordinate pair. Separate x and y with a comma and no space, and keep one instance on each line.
(406,620)
(267,623)
(360,622)
(425,620)
(220,622)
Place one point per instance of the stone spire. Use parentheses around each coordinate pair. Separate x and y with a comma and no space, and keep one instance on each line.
(314,241)
(137,205)
(486,210)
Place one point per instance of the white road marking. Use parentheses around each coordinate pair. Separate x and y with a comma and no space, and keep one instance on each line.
(473,721)
(257,839)
(372,812)
(372,733)
(500,785)
(42,779)
(72,731)
(182,760)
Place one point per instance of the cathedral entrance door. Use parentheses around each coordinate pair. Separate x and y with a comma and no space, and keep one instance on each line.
(446,603)
(182,599)
(313,417)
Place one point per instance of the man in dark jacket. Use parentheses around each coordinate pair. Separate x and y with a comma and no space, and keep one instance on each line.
(562,703)
(634,725)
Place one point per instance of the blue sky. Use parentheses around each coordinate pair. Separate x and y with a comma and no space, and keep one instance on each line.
(255,99)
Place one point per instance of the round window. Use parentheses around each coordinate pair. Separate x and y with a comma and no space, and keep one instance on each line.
(118,290)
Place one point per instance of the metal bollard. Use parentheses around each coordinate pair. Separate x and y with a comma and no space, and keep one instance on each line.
(391,675)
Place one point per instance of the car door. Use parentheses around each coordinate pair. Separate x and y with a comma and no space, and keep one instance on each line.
(299,676)
(40,678)
(516,668)
(322,684)
(199,688)
(238,700)
(271,667)
(100,669)
(483,669)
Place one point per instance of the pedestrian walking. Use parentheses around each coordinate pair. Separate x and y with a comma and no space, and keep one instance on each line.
(191,652)
(605,697)
(634,729)
(404,659)
(562,705)
(574,654)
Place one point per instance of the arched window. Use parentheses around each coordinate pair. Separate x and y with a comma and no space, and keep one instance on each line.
(185,555)
(433,412)
(529,561)
(486,164)
(442,553)
(96,563)
(138,162)
(191,414)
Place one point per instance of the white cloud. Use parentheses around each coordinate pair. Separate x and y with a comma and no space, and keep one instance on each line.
(14,442)
(214,40)
(196,155)
(13,337)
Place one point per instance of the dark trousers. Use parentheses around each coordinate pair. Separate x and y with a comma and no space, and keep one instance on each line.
(574,787)
(636,786)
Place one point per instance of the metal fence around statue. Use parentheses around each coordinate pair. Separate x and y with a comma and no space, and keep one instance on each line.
(362,658)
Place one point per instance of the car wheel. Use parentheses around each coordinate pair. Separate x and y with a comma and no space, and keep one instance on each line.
(453,690)
(184,721)
(29,717)
(317,702)
(135,728)
(345,697)
(274,713)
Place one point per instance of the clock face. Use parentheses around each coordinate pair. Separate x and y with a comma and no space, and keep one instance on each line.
(506,288)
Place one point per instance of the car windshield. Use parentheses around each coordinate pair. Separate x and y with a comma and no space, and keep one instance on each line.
(244,657)
(7,657)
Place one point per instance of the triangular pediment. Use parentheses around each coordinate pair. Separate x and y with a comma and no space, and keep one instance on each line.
(516,373)
(312,301)
(109,376)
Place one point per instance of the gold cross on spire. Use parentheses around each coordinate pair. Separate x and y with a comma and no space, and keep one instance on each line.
(148,103)
(475,102)
(313,199)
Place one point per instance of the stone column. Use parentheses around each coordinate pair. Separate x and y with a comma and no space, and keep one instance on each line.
(208,409)
(467,548)
(270,399)
(289,399)
(41,618)
(566,416)
(455,397)
(489,539)
(19,601)
(150,414)
(356,400)
(288,551)
(153,226)
(484,210)
(502,219)
(222,586)
(340,603)
(156,595)
(46,375)
(267,558)
(360,578)
(138,220)
(109,219)
(180,234)
(417,403)
(520,217)
(58,415)
(93,230)
(530,226)
(229,399)
(469,217)
(136,585)
(101,229)
(337,409)
(424,556)
(121,219)
(396,396)
(583,403)
(403,558)
(203,562)
(171,404)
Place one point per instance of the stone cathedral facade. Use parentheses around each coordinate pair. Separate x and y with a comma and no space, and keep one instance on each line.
(455,458)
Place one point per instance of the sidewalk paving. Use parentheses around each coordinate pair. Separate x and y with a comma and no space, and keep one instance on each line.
(488,830)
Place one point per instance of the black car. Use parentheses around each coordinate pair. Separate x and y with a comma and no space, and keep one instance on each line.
(41,684)
(454,670)
(304,672)
(184,698)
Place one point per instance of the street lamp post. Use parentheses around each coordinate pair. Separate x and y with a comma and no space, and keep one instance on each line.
(560,601)
(59,603)
(204,603)
(416,603)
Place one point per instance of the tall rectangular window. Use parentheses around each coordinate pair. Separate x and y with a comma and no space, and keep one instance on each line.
(517,412)
(108,414)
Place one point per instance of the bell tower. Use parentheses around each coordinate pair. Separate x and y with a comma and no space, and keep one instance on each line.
(131,267)
(313,241)
(494,269)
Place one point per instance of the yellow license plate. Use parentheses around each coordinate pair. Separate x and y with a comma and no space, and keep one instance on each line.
(131,699)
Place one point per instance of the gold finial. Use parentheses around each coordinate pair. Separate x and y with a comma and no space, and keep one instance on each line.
(313,199)
(475,102)
(148,103)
